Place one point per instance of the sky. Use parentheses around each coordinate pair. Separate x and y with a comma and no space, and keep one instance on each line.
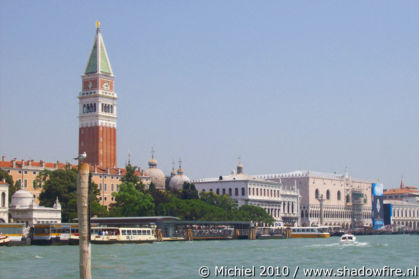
(284,85)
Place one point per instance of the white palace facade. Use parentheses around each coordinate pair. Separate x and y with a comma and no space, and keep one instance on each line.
(346,201)
(279,201)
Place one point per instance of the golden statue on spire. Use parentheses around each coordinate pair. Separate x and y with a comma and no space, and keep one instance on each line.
(97,24)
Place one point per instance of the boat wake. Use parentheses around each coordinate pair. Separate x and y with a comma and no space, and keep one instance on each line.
(38,257)
(339,244)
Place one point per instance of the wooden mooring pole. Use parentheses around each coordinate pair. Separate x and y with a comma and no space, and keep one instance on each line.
(82,214)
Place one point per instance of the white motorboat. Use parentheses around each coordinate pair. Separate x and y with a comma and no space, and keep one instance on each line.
(347,238)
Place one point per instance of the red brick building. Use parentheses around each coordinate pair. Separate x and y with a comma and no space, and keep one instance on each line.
(97,108)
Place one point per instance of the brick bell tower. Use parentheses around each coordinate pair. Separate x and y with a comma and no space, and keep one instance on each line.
(97,108)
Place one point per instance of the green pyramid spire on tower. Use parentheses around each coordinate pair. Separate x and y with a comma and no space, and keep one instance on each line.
(98,62)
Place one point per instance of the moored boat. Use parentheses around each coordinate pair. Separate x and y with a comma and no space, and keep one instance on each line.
(111,235)
(4,239)
(309,232)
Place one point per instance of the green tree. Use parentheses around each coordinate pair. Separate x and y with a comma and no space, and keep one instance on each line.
(62,183)
(9,180)
(130,201)
(189,191)
(253,213)
(131,176)
(222,201)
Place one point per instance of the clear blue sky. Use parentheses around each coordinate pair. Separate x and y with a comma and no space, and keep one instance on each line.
(286,85)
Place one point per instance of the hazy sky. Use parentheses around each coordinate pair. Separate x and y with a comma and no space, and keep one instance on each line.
(286,85)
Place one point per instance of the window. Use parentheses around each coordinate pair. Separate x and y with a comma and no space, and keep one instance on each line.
(224,191)
(112,187)
(211,190)
(3,199)
(25,183)
(236,192)
(348,198)
(26,172)
(105,187)
(339,196)
(316,195)
(34,172)
(230,192)
(100,186)
(117,187)
(243,191)
(217,191)
(328,195)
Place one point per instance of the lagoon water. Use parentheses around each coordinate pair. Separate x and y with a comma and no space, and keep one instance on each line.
(183,259)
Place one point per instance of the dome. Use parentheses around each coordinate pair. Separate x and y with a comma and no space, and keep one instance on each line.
(176,182)
(157,177)
(156,174)
(21,198)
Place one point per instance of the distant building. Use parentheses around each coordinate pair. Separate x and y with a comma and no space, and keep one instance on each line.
(97,108)
(177,180)
(403,193)
(4,202)
(279,201)
(24,210)
(346,200)
(155,174)
(405,214)
(26,171)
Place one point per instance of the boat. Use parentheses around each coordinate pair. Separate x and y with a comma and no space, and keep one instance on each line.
(309,232)
(111,235)
(4,239)
(15,232)
(53,233)
(347,238)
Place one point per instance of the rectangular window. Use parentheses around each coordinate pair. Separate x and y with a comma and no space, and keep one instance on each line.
(112,187)
(25,183)
(34,183)
(100,186)
(117,187)
(105,187)
(26,172)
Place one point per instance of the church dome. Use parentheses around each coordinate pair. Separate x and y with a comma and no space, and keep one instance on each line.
(176,182)
(156,174)
(21,198)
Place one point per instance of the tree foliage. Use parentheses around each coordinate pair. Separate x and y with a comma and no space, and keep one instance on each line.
(9,180)
(130,201)
(62,183)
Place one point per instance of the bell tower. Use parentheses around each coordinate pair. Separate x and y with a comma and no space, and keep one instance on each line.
(97,108)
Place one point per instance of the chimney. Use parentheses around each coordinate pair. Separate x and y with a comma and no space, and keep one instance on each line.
(14,163)
(3,158)
(58,163)
(30,162)
(108,171)
(119,171)
(42,163)
(95,168)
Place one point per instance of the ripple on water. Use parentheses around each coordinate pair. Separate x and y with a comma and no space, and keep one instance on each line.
(182,259)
